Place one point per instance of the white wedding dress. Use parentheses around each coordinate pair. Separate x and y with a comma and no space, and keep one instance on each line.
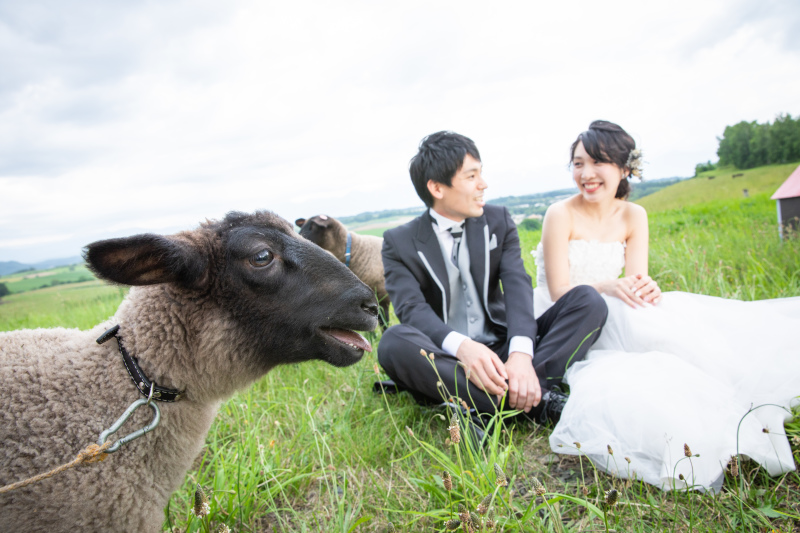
(685,371)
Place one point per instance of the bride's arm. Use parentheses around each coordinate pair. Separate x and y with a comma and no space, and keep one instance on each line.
(556,230)
(636,255)
(636,242)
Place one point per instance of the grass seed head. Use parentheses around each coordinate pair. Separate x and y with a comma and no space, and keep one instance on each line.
(538,488)
(734,467)
(452,524)
(500,478)
(610,450)
(687,451)
(765,430)
(201,507)
(447,480)
(224,529)
(577,444)
(463,514)
(409,431)
(611,497)
(455,429)
(390,528)
(423,353)
(490,519)
(628,460)
(483,507)
(475,520)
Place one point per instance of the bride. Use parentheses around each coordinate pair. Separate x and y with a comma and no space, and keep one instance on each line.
(669,369)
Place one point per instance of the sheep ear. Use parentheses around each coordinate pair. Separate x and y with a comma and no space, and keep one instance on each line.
(300,222)
(323,221)
(146,259)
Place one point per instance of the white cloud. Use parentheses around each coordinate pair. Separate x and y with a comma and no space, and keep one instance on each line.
(153,116)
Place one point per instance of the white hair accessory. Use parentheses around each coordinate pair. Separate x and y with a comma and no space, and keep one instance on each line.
(635,163)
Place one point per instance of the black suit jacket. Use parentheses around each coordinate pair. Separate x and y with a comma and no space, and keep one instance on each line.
(417,282)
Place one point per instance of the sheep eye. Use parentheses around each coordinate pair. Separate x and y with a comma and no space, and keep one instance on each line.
(262,259)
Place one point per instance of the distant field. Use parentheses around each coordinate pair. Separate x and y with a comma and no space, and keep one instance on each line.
(77,305)
(32,280)
(379,225)
(699,190)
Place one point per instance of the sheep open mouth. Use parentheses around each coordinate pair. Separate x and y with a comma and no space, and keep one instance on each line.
(349,337)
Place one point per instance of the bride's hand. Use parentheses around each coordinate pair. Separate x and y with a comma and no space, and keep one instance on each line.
(647,289)
(625,290)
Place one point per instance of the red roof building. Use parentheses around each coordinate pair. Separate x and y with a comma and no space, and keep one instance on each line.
(788,198)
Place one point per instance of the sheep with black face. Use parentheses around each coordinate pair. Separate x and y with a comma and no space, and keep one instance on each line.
(211,311)
(365,254)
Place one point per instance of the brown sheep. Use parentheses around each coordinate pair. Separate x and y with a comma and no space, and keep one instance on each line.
(365,254)
(211,311)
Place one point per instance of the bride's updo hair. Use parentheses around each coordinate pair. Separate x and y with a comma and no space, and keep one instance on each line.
(605,142)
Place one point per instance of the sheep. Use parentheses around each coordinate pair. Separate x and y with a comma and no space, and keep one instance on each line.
(365,254)
(210,311)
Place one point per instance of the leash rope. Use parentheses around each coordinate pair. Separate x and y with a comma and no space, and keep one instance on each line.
(93,453)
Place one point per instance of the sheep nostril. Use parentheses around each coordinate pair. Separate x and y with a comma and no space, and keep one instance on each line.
(370,307)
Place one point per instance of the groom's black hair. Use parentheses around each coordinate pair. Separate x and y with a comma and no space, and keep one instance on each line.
(606,142)
(439,158)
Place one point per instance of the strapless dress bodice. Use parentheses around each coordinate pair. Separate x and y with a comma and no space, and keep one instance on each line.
(589,262)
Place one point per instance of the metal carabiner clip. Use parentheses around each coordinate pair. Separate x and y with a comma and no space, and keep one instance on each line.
(124,418)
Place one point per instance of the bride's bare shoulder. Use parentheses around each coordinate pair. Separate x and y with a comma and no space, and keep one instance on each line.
(560,211)
(635,211)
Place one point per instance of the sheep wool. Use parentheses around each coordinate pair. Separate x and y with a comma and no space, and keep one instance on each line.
(211,310)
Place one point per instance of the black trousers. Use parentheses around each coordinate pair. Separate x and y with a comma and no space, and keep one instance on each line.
(566,331)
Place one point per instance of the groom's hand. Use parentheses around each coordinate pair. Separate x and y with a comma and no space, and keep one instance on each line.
(483,367)
(524,391)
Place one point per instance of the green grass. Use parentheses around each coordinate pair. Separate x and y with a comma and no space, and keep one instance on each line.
(77,305)
(728,248)
(311,448)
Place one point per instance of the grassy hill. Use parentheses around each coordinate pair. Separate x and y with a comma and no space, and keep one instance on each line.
(32,280)
(718,184)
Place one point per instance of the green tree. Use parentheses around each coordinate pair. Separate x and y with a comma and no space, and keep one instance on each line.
(759,146)
(784,144)
(734,146)
(4,290)
(531,224)
(702,167)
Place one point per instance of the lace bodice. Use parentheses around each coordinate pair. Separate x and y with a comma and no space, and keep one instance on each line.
(589,262)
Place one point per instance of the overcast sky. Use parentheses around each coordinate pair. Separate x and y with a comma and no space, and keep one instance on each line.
(130,116)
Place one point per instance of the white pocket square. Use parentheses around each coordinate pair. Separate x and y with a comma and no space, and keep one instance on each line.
(493,242)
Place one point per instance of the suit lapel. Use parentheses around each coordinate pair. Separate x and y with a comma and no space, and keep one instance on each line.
(427,244)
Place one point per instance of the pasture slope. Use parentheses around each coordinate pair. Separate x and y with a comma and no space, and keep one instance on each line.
(719,184)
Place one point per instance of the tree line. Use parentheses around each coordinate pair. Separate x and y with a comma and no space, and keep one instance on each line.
(750,144)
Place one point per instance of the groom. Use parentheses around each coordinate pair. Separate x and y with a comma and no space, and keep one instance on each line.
(460,290)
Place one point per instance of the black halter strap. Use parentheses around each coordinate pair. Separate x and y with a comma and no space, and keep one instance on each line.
(144,385)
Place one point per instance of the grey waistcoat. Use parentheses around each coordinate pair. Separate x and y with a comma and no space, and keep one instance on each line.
(466,314)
